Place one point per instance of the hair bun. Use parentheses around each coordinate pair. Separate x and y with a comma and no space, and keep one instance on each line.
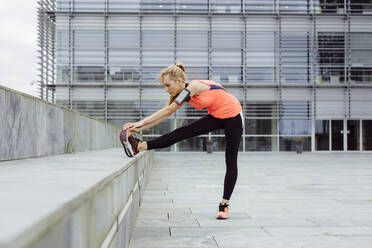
(180,65)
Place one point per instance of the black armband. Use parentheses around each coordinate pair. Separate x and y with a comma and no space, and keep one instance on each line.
(184,96)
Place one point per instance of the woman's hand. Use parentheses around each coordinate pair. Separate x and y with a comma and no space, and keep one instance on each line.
(134,127)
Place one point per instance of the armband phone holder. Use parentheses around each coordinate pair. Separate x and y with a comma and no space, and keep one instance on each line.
(184,96)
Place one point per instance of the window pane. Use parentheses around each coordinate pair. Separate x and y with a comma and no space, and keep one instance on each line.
(261,126)
(192,6)
(331,58)
(367,135)
(226,6)
(295,127)
(322,135)
(261,144)
(265,6)
(289,144)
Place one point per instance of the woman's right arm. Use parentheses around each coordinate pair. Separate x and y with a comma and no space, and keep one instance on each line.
(153,119)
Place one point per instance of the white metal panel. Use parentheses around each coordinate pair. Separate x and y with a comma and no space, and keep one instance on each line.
(195,23)
(155,94)
(330,103)
(296,94)
(123,94)
(261,23)
(62,93)
(157,22)
(296,23)
(123,23)
(360,24)
(87,94)
(227,23)
(330,23)
(261,94)
(88,22)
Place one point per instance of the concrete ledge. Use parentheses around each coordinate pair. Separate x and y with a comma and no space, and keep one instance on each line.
(89,199)
(31,127)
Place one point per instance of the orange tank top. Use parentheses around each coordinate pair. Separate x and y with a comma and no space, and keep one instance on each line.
(217,100)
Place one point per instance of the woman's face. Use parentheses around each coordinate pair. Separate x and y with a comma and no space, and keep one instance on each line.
(172,87)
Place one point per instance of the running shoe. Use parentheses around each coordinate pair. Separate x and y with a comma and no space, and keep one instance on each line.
(129,142)
(223,211)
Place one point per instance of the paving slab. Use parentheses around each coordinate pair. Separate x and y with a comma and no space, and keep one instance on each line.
(280,200)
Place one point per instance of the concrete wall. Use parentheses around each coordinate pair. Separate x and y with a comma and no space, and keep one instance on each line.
(31,127)
(101,215)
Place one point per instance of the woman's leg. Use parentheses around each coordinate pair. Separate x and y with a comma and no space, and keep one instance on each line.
(233,133)
(204,125)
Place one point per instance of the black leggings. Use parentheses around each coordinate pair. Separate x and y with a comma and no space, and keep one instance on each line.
(233,131)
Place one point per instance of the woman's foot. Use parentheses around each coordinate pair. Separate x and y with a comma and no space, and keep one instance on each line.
(223,211)
(130,143)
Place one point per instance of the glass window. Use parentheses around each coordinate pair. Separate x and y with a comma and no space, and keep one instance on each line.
(337,135)
(89,74)
(120,109)
(157,5)
(261,126)
(331,58)
(196,72)
(124,39)
(322,135)
(295,110)
(294,6)
(192,48)
(295,57)
(92,108)
(227,75)
(260,6)
(261,109)
(124,6)
(123,57)
(367,135)
(89,57)
(63,56)
(192,6)
(123,75)
(191,144)
(287,144)
(89,38)
(63,5)
(199,144)
(89,5)
(329,6)
(353,135)
(261,144)
(226,6)
(226,48)
(260,57)
(361,6)
(160,129)
(295,127)
(63,74)
(361,57)
(150,74)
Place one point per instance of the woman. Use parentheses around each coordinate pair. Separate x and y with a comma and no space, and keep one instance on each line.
(224,112)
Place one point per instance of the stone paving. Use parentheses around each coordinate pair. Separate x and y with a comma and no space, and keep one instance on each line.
(280,200)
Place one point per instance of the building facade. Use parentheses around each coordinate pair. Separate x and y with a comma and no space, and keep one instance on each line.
(300,68)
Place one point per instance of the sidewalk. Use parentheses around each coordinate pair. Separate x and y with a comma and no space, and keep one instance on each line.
(280,200)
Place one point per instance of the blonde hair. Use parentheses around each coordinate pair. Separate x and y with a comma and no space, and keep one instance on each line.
(174,72)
